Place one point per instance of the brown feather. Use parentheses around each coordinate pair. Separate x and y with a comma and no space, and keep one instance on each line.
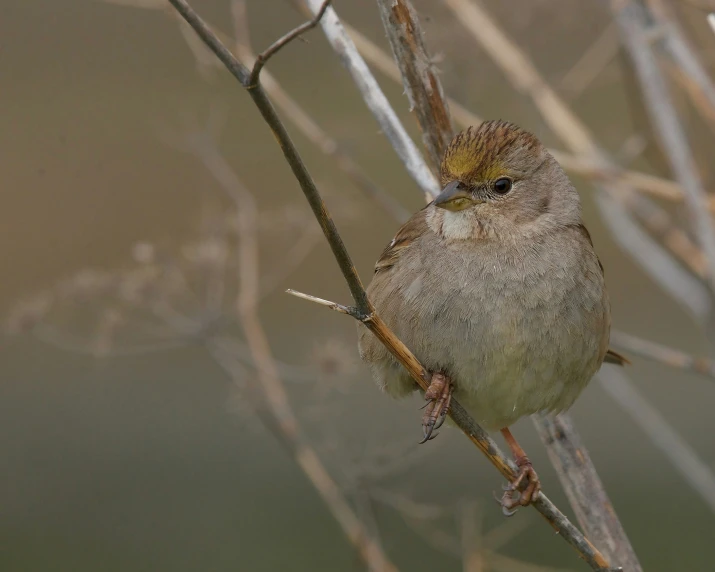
(405,237)
(616,358)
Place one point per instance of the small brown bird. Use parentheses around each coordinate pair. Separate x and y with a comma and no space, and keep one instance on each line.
(496,288)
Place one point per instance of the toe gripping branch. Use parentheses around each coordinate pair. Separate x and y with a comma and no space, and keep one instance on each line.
(439,397)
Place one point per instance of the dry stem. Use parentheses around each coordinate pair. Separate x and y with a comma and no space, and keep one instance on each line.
(663,354)
(419,76)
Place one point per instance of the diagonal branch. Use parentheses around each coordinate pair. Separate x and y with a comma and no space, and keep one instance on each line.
(299,117)
(293,158)
(475,433)
(375,99)
(419,76)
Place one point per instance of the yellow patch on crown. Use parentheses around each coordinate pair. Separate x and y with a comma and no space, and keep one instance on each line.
(464,163)
(477,155)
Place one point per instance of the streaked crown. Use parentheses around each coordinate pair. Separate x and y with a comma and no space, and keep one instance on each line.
(488,151)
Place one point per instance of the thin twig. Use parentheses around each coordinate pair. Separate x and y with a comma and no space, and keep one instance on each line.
(373,322)
(687,289)
(663,354)
(279,416)
(242,74)
(280,43)
(332,305)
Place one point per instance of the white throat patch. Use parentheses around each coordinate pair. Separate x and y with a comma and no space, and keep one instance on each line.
(457,225)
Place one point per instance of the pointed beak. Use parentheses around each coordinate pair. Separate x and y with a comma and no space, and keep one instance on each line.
(454,198)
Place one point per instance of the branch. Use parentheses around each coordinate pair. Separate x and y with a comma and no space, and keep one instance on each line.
(376,100)
(475,433)
(581,165)
(242,74)
(634,24)
(308,127)
(423,88)
(268,53)
(698,85)
(651,256)
(583,486)
(663,354)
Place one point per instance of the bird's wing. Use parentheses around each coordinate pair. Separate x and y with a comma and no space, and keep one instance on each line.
(405,237)
(611,355)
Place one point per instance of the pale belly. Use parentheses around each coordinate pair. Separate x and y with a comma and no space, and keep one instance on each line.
(512,344)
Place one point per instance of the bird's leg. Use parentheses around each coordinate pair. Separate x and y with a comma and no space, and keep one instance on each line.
(438,396)
(512,497)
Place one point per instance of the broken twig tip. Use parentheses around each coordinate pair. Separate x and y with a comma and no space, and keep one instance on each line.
(332,305)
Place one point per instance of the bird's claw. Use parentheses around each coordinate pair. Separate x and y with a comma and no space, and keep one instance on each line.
(439,397)
(513,496)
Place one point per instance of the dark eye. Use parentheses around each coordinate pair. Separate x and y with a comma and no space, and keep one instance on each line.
(502,186)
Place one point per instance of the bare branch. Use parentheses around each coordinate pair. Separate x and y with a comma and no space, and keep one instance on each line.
(269,52)
(663,354)
(376,100)
(307,125)
(634,24)
(583,486)
(332,305)
(269,381)
(698,84)
(241,73)
(676,280)
(423,88)
(582,165)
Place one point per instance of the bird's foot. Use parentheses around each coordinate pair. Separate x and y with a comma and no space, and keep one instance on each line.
(438,396)
(513,498)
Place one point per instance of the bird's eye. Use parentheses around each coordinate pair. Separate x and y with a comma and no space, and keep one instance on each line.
(502,186)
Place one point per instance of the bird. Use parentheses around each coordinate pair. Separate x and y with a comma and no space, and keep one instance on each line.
(496,288)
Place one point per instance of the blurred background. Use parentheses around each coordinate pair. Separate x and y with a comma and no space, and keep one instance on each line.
(134,434)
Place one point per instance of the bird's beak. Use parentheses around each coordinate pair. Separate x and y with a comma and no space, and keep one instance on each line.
(452,198)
